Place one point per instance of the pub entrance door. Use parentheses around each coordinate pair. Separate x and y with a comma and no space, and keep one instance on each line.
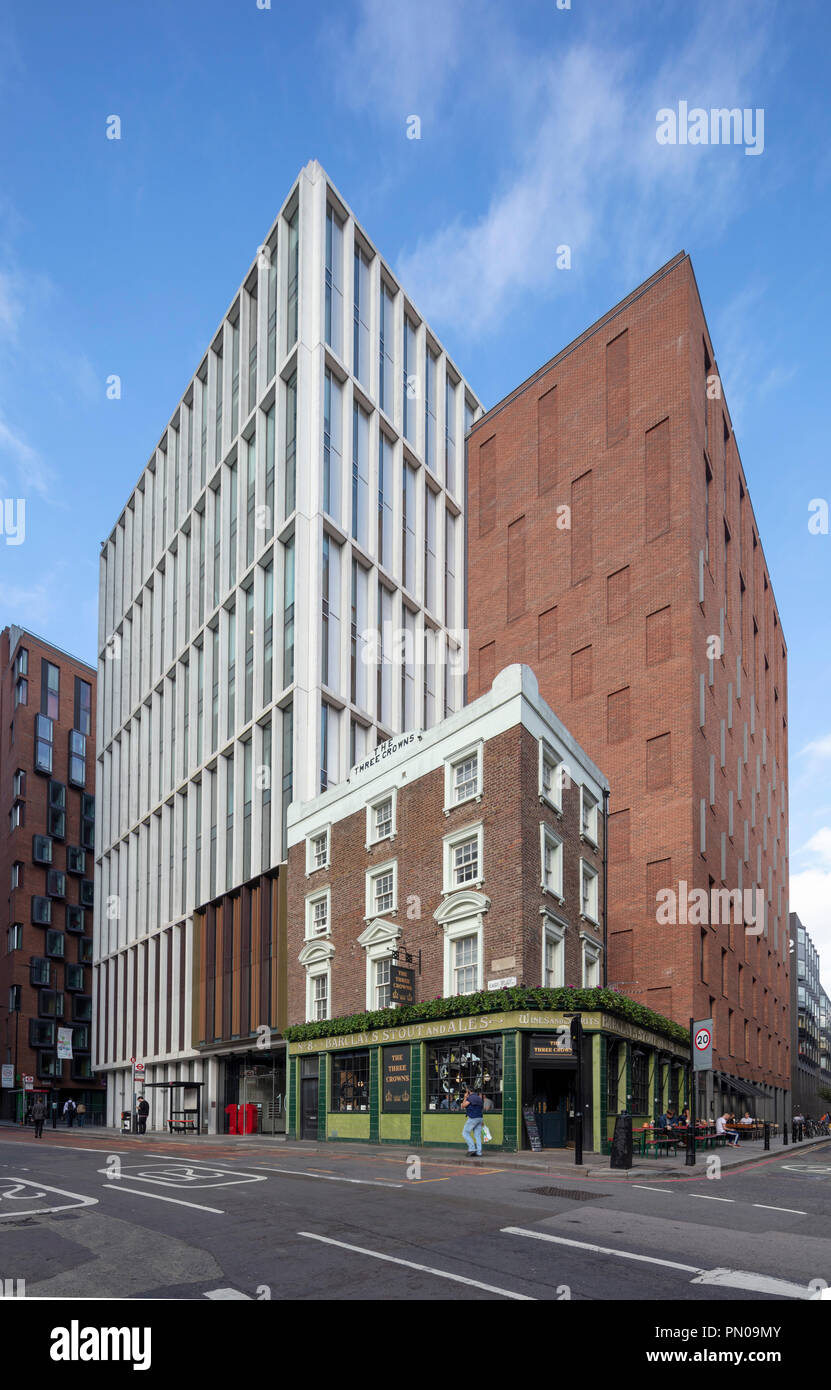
(308,1107)
(552,1096)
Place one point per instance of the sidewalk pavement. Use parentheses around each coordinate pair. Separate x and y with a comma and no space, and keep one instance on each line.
(552,1161)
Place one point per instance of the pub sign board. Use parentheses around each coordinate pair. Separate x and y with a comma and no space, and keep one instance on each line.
(550,1047)
(395,1079)
(402,984)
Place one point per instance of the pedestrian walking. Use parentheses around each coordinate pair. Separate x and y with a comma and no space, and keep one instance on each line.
(69,1109)
(142,1111)
(473,1105)
(38,1116)
(82,1114)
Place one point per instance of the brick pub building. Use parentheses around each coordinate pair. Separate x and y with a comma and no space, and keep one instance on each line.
(47,840)
(612,546)
(459,872)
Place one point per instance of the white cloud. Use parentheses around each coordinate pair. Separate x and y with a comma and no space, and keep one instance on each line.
(577,161)
(33,473)
(819,748)
(810,899)
(11,309)
(398,58)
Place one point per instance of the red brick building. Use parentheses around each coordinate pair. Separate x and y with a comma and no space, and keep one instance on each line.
(612,546)
(468,859)
(47,841)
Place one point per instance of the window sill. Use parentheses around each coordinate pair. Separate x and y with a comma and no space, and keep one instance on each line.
(588,840)
(552,805)
(552,893)
(467,801)
(462,887)
(584,917)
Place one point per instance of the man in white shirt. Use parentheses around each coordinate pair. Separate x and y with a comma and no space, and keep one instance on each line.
(721,1128)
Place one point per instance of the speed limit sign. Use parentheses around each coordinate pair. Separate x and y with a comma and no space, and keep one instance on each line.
(702,1040)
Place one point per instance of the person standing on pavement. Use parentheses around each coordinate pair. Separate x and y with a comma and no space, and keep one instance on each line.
(473,1105)
(69,1111)
(38,1116)
(142,1111)
(82,1114)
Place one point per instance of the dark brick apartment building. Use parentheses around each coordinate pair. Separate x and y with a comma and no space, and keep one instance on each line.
(612,546)
(47,840)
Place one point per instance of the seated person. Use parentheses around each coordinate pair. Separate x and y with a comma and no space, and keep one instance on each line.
(661,1121)
(722,1128)
(672,1118)
(747,1119)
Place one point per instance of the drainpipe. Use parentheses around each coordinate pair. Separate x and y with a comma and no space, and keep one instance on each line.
(605,887)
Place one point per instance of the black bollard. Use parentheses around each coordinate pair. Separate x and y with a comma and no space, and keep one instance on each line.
(784,1131)
(621,1155)
(767,1134)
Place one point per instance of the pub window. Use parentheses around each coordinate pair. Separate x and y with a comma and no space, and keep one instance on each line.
(382,983)
(640,1083)
(350,1081)
(454,1067)
(612,1078)
(674,1078)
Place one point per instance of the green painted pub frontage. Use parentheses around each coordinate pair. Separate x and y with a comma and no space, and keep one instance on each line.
(403,1084)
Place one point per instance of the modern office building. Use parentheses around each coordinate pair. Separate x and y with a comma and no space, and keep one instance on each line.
(612,546)
(809,1047)
(825,1044)
(281,592)
(47,779)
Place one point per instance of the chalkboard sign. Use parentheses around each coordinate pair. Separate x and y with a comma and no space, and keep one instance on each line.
(531,1127)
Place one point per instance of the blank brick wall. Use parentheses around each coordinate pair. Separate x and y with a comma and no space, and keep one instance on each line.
(618,715)
(619,414)
(516,569)
(487,486)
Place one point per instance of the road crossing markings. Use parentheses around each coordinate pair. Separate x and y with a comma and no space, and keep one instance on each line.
(116,1186)
(723,1278)
(424,1269)
(598,1249)
(304,1173)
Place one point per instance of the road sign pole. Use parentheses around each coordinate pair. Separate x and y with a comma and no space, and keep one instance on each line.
(690,1157)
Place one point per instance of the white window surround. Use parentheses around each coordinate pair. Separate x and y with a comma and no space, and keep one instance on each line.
(547,837)
(549,755)
(450,764)
(587,872)
(372,806)
(311,866)
(553,931)
(450,842)
(316,959)
(462,914)
(591,954)
(379,940)
(323,896)
(589,813)
(377,870)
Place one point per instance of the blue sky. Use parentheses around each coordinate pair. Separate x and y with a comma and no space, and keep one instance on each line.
(537,129)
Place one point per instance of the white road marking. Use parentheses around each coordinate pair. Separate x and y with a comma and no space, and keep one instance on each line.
(644,1188)
(425,1269)
(187,1175)
(116,1186)
(705,1197)
(725,1278)
(599,1249)
(11,1193)
(301,1173)
(227,1293)
(792,1210)
(755,1283)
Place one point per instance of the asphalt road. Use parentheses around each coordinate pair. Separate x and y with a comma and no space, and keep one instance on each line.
(80,1218)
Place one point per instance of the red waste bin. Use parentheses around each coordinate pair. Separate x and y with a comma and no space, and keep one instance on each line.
(231,1112)
(250,1118)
